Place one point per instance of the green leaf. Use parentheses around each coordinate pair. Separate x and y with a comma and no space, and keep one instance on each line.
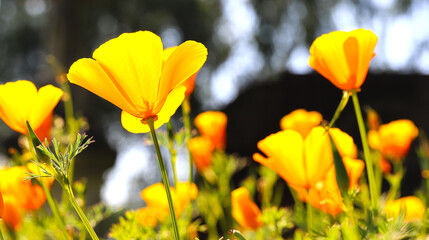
(36,142)
(340,170)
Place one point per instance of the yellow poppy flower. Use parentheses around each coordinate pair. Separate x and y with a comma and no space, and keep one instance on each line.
(244,210)
(156,198)
(147,217)
(129,72)
(301,121)
(414,208)
(303,162)
(212,124)
(343,57)
(20,102)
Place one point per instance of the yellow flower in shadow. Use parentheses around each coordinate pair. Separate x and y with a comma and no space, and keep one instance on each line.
(414,208)
(325,194)
(212,124)
(130,72)
(301,121)
(244,210)
(20,102)
(156,199)
(343,57)
(303,162)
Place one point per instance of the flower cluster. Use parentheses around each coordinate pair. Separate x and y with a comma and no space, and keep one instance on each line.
(337,189)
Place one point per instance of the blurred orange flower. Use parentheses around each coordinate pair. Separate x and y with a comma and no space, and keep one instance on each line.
(414,208)
(303,162)
(301,121)
(201,149)
(1,205)
(28,195)
(343,57)
(212,124)
(20,102)
(13,213)
(129,72)
(244,210)
(20,195)
(147,217)
(156,199)
(393,139)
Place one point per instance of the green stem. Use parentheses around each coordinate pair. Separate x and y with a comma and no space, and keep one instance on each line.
(52,204)
(395,181)
(186,108)
(55,210)
(340,108)
(309,216)
(67,188)
(150,122)
(1,234)
(367,154)
(173,152)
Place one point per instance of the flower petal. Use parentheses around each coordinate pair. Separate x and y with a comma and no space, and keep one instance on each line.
(285,156)
(133,62)
(88,74)
(134,125)
(47,98)
(184,61)
(318,155)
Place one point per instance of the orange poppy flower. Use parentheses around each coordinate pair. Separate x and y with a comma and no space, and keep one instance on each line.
(396,137)
(301,121)
(1,205)
(20,102)
(28,196)
(129,72)
(212,124)
(326,197)
(325,194)
(414,208)
(244,210)
(201,149)
(343,57)
(303,162)
(13,213)
(156,198)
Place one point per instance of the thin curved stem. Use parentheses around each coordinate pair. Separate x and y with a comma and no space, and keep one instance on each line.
(367,154)
(340,108)
(67,188)
(150,122)
(186,108)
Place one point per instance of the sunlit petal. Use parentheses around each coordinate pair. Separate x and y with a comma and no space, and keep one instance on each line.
(183,62)
(88,74)
(133,62)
